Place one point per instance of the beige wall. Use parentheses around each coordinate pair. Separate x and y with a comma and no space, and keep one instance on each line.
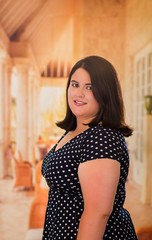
(103,24)
(138,25)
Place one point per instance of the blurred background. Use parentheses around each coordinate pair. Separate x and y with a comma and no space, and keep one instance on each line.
(40,40)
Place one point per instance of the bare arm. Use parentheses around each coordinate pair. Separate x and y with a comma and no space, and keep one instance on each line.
(99,180)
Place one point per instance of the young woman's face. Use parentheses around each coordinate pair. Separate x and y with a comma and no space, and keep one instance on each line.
(80,96)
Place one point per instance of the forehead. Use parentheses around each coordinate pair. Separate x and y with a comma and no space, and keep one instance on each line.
(81,75)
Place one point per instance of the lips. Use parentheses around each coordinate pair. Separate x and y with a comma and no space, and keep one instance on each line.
(79,103)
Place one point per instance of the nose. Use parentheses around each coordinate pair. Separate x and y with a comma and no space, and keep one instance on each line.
(80,92)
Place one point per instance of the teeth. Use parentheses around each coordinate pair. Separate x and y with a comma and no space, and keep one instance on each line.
(79,102)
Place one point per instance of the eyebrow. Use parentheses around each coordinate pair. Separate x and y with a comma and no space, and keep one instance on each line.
(78,82)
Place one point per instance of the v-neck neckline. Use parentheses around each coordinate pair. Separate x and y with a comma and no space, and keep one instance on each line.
(54,148)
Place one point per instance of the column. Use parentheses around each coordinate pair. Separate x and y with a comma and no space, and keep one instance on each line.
(33,92)
(22,110)
(30,119)
(36,103)
(147,161)
(2,159)
(5,114)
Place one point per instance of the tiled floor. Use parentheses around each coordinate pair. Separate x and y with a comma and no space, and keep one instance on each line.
(14,210)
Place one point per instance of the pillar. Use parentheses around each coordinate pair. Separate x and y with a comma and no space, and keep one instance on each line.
(147,161)
(27,106)
(36,113)
(5,114)
(33,92)
(22,109)
(30,119)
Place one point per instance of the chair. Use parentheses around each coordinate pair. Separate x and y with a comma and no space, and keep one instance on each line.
(144,233)
(23,174)
(38,206)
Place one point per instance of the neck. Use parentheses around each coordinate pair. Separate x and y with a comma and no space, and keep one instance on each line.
(81,127)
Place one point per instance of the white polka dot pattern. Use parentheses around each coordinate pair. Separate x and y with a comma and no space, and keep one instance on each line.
(65,203)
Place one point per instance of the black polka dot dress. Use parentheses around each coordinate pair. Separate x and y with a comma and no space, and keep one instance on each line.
(65,201)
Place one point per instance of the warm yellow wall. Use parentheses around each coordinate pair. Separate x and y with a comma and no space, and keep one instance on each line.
(138,25)
(101,27)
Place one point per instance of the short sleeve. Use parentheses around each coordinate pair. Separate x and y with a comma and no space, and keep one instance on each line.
(102,143)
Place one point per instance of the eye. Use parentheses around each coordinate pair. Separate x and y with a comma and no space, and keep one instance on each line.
(74,84)
(89,87)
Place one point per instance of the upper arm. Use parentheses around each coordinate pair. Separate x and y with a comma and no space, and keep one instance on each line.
(99,180)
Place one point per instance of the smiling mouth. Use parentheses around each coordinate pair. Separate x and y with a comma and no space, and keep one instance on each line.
(79,102)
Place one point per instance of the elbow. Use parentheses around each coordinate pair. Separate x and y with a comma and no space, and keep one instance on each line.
(104,212)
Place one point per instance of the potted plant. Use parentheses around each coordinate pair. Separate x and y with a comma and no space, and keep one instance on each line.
(148,104)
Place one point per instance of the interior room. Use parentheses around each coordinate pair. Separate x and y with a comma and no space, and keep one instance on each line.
(40,40)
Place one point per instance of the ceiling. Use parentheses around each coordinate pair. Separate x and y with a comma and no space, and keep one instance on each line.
(46,24)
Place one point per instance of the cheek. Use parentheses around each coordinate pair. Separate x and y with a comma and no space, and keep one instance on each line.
(69,95)
(98,107)
(95,103)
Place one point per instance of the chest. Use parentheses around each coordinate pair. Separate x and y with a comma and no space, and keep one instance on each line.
(60,168)
(67,138)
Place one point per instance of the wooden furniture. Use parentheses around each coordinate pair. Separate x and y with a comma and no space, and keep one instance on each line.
(38,207)
(144,233)
(23,174)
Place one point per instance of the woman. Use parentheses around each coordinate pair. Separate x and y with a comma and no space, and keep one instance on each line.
(87,169)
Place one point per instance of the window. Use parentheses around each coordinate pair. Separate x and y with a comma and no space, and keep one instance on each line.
(143,87)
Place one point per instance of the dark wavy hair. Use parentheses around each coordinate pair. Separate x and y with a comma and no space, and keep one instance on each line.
(106,90)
